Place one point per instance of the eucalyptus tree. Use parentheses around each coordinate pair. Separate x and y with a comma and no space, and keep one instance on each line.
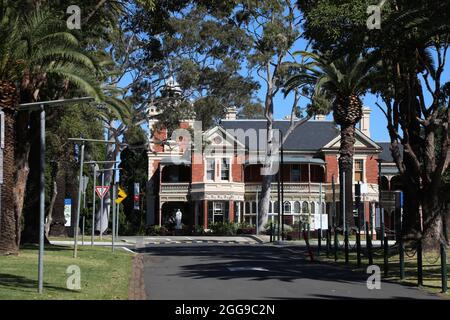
(413,48)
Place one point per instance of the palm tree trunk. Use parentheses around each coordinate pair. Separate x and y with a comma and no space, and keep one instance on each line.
(9,221)
(346,152)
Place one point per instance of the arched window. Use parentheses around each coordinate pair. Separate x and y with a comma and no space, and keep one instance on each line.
(275,207)
(313,207)
(287,207)
(305,207)
(296,207)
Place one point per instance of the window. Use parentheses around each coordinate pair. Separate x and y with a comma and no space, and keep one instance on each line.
(296,207)
(305,207)
(210,169)
(225,170)
(218,212)
(313,207)
(287,207)
(359,170)
(295,173)
(275,207)
(254,207)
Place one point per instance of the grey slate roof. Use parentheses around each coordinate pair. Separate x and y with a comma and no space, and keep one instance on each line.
(310,136)
(386,155)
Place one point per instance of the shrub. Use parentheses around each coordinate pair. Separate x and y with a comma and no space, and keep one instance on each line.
(224,228)
(156,231)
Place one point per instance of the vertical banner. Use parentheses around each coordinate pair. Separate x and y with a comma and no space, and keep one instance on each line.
(136,196)
(68,211)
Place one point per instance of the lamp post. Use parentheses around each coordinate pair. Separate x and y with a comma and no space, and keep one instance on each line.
(35,106)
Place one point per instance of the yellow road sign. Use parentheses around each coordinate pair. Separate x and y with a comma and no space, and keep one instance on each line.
(121,195)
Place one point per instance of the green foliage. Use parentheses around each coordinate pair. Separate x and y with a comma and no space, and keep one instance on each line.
(224,228)
(134,165)
(204,50)
(156,231)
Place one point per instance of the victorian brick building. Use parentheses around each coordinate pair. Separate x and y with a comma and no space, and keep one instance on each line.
(215,176)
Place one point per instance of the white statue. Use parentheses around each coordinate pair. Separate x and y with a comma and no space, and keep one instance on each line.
(178,216)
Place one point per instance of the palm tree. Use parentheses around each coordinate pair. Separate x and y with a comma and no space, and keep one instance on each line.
(343,81)
(35,50)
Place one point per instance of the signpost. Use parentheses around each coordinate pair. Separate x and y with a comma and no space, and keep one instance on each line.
(101,191)
(121,195)
(68,212)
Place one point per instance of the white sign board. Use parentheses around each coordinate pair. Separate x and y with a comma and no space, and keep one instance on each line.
(68,212)
(320,224)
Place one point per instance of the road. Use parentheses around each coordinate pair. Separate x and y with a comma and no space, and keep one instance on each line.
(229,272)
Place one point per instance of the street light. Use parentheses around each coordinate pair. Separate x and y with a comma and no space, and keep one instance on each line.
(34,107)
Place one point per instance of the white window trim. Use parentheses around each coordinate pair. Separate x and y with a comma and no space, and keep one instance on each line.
(363,168)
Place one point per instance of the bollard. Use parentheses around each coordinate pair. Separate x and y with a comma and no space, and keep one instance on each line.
(402,259)
(319,241)
(358,248)
(346,245)
(328,241)
(369,245)
(386,256)
(335,245)
(443,268)
(419,263)
(271,232)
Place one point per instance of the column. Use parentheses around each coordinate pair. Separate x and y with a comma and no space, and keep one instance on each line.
(205,214)
(231,211)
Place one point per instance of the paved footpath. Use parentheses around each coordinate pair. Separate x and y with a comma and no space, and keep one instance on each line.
(255,272)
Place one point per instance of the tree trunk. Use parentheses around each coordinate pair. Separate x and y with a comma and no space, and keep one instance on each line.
(57,228)
(22,151)
(433,223)
(30,233)
(9,220)
(50,209)
(346,152)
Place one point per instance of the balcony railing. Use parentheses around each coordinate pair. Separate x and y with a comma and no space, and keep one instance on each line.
(175,187)
(289,187)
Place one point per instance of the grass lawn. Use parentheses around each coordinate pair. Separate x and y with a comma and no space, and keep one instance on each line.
(431,266)
(104,275)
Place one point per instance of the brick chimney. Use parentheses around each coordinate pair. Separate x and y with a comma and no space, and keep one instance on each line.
(231,113)
(365,121)
(320,117)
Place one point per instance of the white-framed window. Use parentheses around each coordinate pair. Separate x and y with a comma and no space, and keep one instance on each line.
(297,207)
(218,211)
(305,207)
(210,169)
(225,169)
(359,170)
(287,207)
